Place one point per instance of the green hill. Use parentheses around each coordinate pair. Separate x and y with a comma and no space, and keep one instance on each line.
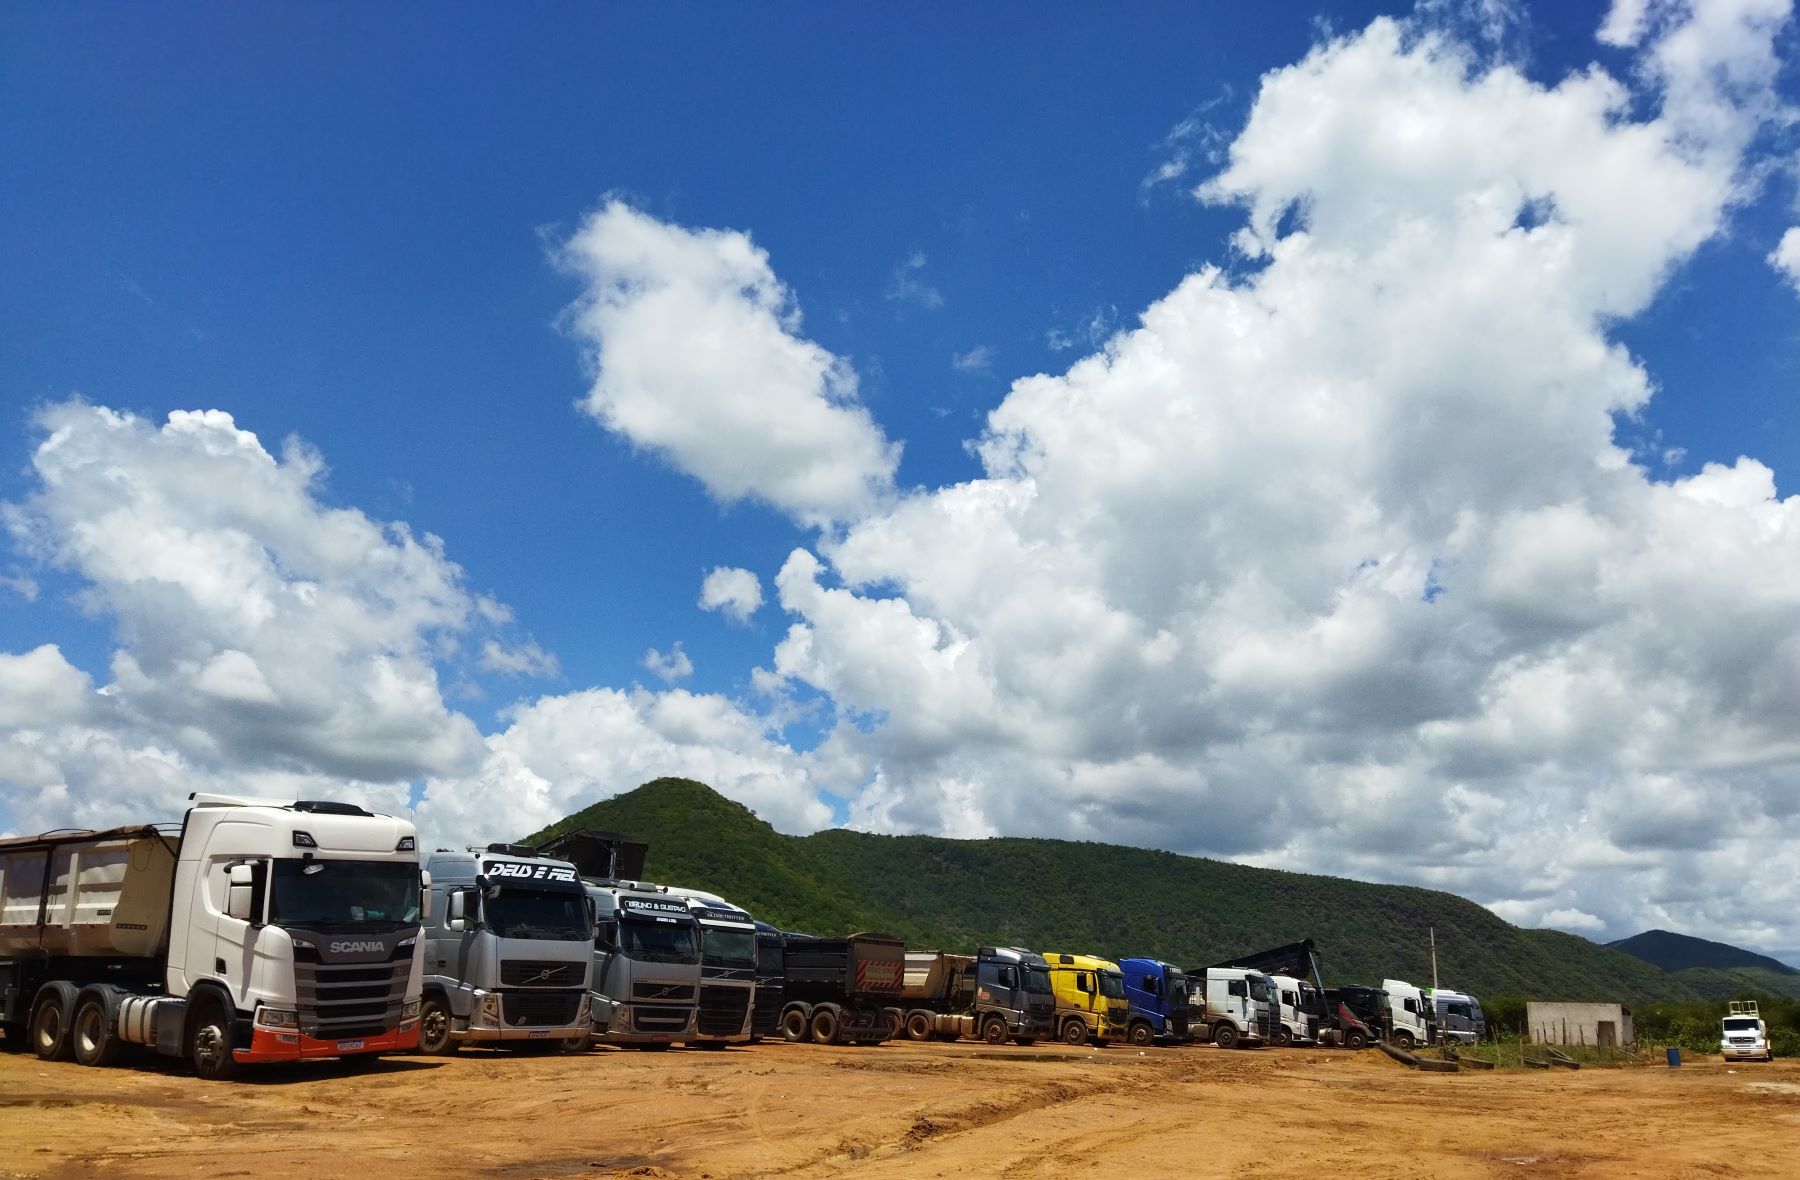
(1056,895)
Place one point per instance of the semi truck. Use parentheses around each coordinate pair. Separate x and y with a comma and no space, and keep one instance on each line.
(1742,1034)
(727,970)
(1232,1005)
(1414,1015)
(993,995)
(646,981)
(255,931)
(509,951)
(771,985)
(1364,1014)
(839,990)
(1157,994)
(1299,1010)
(1338,1022)
(1090,999)
(1460,1018)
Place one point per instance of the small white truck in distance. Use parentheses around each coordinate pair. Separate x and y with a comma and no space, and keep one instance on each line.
(259,931)
(1742,1034)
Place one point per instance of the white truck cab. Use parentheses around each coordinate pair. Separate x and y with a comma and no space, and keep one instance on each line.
(1299,1007)
(1742,1034)
(1414,1013)
(1232,1005)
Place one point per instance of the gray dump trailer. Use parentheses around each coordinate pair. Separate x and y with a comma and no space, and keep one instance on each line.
(996,994)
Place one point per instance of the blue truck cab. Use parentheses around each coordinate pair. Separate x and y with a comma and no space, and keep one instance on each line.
(1158,995)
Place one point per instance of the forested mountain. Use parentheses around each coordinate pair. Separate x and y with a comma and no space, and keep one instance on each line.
(1716,970)
(1056,895)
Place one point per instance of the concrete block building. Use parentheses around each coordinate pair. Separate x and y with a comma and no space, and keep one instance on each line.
(1591,1025)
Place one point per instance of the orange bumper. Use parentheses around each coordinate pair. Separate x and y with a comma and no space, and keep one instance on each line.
(268,1045)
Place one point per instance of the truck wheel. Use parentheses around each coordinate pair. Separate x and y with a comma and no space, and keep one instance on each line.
(1403,1041)
(1354,1039)
(918,1026)
(51,1017)
(93,1035)
(209,1041)
(575,1044)
(1283,1038)
(1225,1036)
(1074,1033)
(994,1031)
(824,1025)
(794,1024)
(434,1028)
(896,1024)
(1140,1035)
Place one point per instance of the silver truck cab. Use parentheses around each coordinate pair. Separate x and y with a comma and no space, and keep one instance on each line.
(646,965)
(508,951)
(727,969)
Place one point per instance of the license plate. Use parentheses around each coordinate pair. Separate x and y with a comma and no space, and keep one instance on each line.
(536,1035)
(346,1045)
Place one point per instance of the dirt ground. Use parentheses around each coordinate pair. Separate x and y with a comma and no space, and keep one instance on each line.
(902,1109)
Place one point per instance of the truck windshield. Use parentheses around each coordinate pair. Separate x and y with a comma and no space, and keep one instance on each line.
(1742,1024)
(1112,984)
(727,948)
(541,914)
(334,893)
(1037,980)
(1309,999)
(658,942)
(1259,987)
(1177,986)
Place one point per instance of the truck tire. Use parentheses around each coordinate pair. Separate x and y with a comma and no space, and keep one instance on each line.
(1354,1039)
(824,1025)
(1074,1032)
(52,1014)
(94,1036)
(209,1039)
(1283,1037)
(435,1039)
(1141,1034)
(993,1031)
(896,1019)
(918,1026)
(795,1023)
(1225,1035)
(1403,1041)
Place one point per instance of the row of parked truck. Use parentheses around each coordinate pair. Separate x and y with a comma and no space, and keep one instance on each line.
(263,931)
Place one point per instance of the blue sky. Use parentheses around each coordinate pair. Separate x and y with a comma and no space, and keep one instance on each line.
(347,226)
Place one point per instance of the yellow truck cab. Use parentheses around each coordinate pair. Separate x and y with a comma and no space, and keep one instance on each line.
(1090,998)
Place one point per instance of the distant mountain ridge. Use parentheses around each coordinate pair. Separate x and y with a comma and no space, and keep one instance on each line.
(1057,895)
(1715,970)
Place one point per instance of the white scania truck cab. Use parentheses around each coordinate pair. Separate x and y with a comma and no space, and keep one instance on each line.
(258,931)
(1742,1034)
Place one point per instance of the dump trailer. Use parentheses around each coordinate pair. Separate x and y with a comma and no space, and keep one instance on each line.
(1090,999)
(771,983)
(727,970)
(839,990)
(256,931)
(509,952)
(1158,998)
(995,994)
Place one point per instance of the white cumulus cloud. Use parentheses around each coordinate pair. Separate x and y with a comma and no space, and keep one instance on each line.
(733,592)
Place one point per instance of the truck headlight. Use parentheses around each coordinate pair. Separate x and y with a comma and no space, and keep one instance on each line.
(585,1013)
(486,1013)
(409,1010)
(285,1019)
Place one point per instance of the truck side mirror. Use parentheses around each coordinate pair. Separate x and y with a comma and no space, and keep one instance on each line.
(240,892)
(424,895)
(458,917)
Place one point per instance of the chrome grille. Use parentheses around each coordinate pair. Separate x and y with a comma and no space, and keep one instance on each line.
(532,973)
(668,993)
